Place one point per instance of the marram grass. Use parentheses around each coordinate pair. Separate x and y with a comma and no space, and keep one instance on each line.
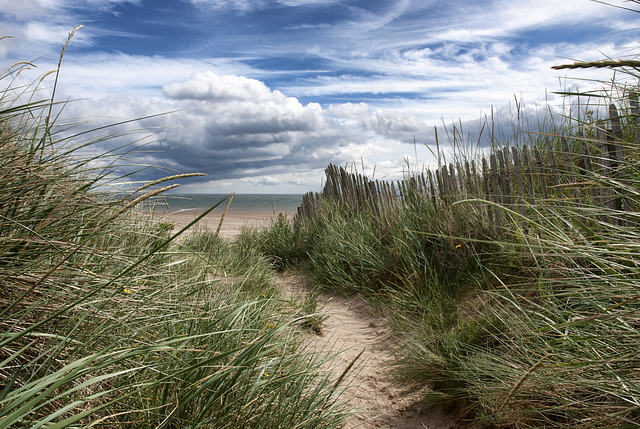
(107,320)
(537,328)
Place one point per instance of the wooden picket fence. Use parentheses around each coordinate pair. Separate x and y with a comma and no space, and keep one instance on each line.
(583,172)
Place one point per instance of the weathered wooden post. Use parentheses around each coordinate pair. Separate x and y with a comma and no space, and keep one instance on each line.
(486,184)
(527,172)
(541,174)
(518,172)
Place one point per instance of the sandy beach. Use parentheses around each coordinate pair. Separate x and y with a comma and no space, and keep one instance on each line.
(234,220)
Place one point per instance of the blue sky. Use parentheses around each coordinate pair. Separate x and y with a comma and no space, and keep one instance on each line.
(266,93)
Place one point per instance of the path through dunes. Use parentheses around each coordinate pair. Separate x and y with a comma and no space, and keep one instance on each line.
(351,328)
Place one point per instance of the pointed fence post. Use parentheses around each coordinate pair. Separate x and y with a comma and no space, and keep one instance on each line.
(486,184)
(495,189)
(518,172)
(432,186)
(453,184)
(569,171)
(468,182)
(541,174)
(616,156)
(527,173)
(552,162)
(461,182)
(475,177)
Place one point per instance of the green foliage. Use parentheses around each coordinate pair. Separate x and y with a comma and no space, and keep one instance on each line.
(282,242)
(537,327)
(347,255)
(106,320)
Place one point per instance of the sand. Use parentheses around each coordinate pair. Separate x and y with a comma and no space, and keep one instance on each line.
(232,224)
(354,330)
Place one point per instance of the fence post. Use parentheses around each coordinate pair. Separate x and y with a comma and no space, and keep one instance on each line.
(433,189)
(566,156)
(505,167)
(635,113)
(471,179)
(453,184)
(552,162)
(604,166)
(616,155)
(614,146)
(527,172)
(476,185)
(495,188)
(588,166)
(461,181)
(541,174)
(517,169)
(423,185)
(486,183)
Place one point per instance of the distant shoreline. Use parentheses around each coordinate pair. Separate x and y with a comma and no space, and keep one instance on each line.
(246,210)
(262,202)
(234,220)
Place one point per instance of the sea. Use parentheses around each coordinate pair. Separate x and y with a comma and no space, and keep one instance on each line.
(276,203)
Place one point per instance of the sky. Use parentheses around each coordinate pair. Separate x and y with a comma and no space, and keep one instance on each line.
(261,95)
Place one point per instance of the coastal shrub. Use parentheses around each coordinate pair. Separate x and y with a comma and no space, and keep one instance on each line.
(557,344)
(438,249)
(347,253)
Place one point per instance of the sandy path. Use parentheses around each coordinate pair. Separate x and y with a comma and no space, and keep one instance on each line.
(354,327)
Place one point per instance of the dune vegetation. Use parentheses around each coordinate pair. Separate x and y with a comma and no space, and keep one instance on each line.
(112,318)
(109,320)
(530,323)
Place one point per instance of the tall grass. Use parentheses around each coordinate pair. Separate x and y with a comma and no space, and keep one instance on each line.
(538,327)
(283,242)
(107,320)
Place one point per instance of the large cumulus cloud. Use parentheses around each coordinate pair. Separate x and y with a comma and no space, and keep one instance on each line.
(235,128)
(236,121)
(234,111)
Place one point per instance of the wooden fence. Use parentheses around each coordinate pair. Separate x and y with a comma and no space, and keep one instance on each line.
(583,171)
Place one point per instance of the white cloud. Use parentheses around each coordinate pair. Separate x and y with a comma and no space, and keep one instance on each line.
(25,8)
(52,35)
(31,9)
(238,105)
(466,34)
(223,136)
(271,143)
(239,5)
(214,87)
(101,75)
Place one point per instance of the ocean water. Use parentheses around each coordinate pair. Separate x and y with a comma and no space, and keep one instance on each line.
(278,203)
